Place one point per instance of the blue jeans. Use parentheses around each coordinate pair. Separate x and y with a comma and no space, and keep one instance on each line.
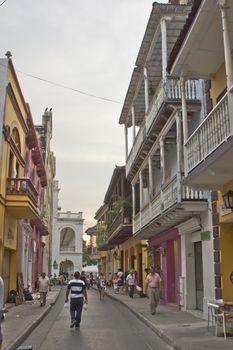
(76,306)
(131,290)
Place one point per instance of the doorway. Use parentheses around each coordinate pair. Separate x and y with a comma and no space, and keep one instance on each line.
(199,275)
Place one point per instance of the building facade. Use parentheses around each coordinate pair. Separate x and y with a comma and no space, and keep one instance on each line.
(21,192)
(168,213)
(114,223)
(45,133)
(204,50)
(67,241)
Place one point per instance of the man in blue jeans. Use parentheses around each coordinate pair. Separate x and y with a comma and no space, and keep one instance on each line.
(78,293)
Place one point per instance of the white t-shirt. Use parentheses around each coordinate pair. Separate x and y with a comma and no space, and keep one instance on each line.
(43,284)
(130,279)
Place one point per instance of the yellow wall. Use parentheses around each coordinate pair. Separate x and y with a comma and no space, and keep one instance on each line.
(10,241)
(226,246)
(218,83)
(134,247)
(7,222)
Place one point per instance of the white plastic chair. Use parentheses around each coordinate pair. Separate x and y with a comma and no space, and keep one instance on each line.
(214,310)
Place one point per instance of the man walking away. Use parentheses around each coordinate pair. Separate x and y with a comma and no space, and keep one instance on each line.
(43,288)
(1,307)
(153,281)
(77,289)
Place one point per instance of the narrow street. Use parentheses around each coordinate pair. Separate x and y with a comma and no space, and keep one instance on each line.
(105,325)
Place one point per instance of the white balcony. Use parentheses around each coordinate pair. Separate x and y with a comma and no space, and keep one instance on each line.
(167,92)
(167,210)
(136,146)
(67,249)
(209,149)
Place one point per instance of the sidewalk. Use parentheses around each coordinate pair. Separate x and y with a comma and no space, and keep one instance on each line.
(180,330)
(22,319)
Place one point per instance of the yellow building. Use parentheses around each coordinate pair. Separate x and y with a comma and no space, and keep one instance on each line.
(134,256)
(17,194)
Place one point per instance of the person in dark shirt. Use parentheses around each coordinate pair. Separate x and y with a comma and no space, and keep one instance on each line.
(83,278)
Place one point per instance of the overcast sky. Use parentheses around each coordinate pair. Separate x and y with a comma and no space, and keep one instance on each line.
(89,45)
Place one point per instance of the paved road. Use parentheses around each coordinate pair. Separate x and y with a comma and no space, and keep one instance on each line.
(106,325)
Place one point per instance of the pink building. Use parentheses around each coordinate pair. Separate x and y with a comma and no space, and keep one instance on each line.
(30,246)
(167,256)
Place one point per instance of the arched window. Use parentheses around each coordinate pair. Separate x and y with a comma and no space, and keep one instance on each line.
(16,138)
(67,240)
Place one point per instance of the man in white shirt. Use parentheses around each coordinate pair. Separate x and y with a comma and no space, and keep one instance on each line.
(43,288)
(130,280)
(1,307)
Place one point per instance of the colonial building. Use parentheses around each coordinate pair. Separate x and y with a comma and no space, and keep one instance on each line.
(171,215)
(92,232)
(22,179)
(114,238)
(45,132)
(204,50)
(67,241)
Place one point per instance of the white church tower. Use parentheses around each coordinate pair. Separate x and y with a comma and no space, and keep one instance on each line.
(67,241)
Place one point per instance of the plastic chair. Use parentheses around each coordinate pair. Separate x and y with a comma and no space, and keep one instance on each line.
(217,315)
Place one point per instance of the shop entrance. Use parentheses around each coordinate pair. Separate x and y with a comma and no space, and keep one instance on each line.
(199,275)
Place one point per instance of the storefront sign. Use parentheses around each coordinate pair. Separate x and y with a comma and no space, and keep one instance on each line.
(205,236)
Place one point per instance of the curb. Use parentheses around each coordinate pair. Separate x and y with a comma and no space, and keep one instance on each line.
(19,340)
(158,331)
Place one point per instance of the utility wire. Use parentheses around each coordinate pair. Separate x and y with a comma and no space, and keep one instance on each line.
(68,88)
(65,87)
(3,2)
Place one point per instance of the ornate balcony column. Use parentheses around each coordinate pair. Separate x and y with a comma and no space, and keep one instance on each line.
(146,85)
(133,199)
(141,190)
(133,123)
(179,154)
(227,54)
(162,159)
(184,120)
(126,143)
(150,178)
(164,48)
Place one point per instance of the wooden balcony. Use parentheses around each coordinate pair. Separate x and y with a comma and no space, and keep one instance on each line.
(120,229)
(172,205)
(168,92)
(21,198)
(209,149)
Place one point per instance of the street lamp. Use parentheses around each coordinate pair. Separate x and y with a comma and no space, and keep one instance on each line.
(228,199)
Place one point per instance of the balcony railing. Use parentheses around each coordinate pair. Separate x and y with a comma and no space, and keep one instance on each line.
(167,197)
(21,187)
(136,146)
(67,249)
(169,90)
(211,133)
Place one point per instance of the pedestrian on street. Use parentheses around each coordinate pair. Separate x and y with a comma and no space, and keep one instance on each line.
(77,289)
(1,308)
(101,285)
(153,281)
(43,288)
(83,278)
(130,280)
